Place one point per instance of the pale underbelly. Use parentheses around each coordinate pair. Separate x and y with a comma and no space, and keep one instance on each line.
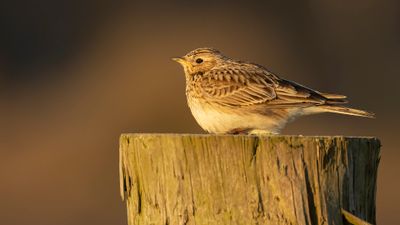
(217,120)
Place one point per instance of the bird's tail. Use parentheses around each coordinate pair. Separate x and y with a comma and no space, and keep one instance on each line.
(346,111)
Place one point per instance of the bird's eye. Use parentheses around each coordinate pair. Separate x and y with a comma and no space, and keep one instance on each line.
(198,61)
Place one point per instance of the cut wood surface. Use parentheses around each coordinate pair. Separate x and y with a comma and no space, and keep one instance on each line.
(190,179)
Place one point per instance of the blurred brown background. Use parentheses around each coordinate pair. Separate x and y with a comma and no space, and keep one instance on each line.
(74,74)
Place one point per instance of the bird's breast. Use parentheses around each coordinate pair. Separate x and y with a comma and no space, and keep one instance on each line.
(209,117)
(219,119)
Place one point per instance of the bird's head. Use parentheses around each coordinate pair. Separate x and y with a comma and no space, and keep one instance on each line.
(200,60)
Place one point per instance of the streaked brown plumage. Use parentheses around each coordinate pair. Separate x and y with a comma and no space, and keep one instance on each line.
(230,96)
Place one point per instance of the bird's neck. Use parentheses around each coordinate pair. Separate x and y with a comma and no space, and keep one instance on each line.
(192,81)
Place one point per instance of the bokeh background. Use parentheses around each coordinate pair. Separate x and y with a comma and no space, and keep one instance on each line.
(74,74)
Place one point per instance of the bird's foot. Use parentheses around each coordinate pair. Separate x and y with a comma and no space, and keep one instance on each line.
(237,131)
(262,132)
(248,131)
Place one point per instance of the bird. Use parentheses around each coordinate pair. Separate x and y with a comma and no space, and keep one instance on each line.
(228,96)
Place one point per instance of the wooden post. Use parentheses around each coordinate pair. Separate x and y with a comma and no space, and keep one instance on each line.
(179,179)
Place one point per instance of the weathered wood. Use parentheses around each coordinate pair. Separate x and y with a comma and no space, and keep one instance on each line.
(224,179)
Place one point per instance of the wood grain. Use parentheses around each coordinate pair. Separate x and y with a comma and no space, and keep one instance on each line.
(239,179)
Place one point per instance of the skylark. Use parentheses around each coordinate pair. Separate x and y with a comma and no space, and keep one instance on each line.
(228,96)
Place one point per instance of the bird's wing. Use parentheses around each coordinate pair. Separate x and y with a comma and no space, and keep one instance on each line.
(237,86)
(250,84)
(289,92)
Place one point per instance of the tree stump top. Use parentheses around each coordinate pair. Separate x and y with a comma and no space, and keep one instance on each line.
(241,179)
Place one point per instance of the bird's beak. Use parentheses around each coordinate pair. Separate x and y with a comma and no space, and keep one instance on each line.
(180,60)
